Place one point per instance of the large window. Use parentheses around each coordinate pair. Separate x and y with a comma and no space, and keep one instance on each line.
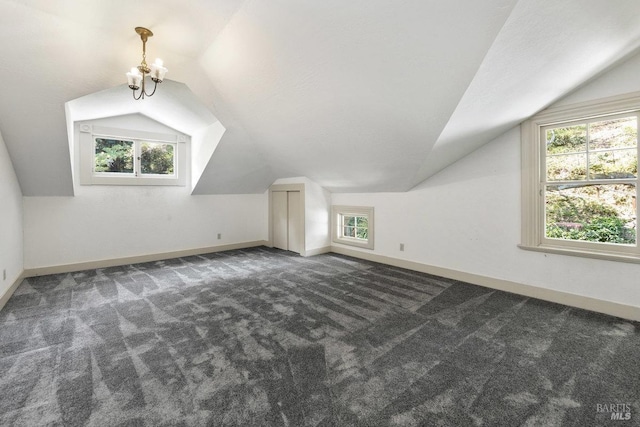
(580,180)
(353,225)
(134,157)
(126,157)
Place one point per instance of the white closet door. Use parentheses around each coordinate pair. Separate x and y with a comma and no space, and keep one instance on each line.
(279,215)
(294,228)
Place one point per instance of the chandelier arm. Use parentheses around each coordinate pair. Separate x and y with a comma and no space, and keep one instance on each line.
(155,86)
(141,89)
(134,95)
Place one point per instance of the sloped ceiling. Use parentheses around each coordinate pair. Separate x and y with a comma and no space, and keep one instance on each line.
(358,96)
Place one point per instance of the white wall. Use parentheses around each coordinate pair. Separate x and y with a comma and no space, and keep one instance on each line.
(317,215)
(11,249)
(467,218)
(109,222)
(116,222)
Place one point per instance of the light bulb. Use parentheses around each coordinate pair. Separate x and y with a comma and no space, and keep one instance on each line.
(134,79)
(158,71)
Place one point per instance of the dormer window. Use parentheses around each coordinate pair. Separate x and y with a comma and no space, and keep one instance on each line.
(112,156)
(134,158)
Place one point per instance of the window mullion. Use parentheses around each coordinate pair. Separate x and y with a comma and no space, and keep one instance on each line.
(136,167)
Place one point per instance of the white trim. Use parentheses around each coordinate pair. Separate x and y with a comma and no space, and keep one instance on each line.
(532,235)
(573,300)
(284,188)
(91,265)
(318,251)
(587,303)
(590,109)
(129,133)
(11,289)
(337,211)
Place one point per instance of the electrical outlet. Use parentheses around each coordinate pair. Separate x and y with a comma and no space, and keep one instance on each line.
(402,247)
(219,236)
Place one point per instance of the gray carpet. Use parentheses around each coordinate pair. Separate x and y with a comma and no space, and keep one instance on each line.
(261,337)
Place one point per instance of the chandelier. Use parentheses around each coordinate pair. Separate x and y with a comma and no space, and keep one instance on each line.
(136,77)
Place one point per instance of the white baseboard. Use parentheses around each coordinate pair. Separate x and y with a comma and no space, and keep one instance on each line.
(318,251)
(11,289)
(90,265)
(579,301)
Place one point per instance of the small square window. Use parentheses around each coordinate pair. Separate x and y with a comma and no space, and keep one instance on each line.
(353,225)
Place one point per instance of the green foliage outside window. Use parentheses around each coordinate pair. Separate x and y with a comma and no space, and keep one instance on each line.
(156,158)
(566,140)
(575,215)
(117,156)
(600,229)
(113,155)
(356,227)
(584,209)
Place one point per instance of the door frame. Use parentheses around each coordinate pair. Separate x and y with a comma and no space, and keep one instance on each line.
(283,188)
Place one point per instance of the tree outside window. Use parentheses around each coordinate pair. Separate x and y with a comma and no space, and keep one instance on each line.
(115,156)
(356,227)
(590,181)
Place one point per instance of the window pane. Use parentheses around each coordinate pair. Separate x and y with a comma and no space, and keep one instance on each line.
(617,133)
(349,221)
(156,159)
(569,139)
(595,213)
(113,155)
(362,221)
(567,167)
(349,232)
(362,233)
(613,164)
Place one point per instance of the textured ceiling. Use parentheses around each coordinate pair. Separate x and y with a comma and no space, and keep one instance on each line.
(358,96)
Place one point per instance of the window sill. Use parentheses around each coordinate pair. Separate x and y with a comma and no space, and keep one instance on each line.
(133,181)
(582,253)
(354,242)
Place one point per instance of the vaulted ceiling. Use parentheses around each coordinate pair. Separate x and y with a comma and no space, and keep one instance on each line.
(358,96)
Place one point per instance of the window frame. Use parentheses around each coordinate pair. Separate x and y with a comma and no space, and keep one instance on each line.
(534,177)
(337,215)
(88,175)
